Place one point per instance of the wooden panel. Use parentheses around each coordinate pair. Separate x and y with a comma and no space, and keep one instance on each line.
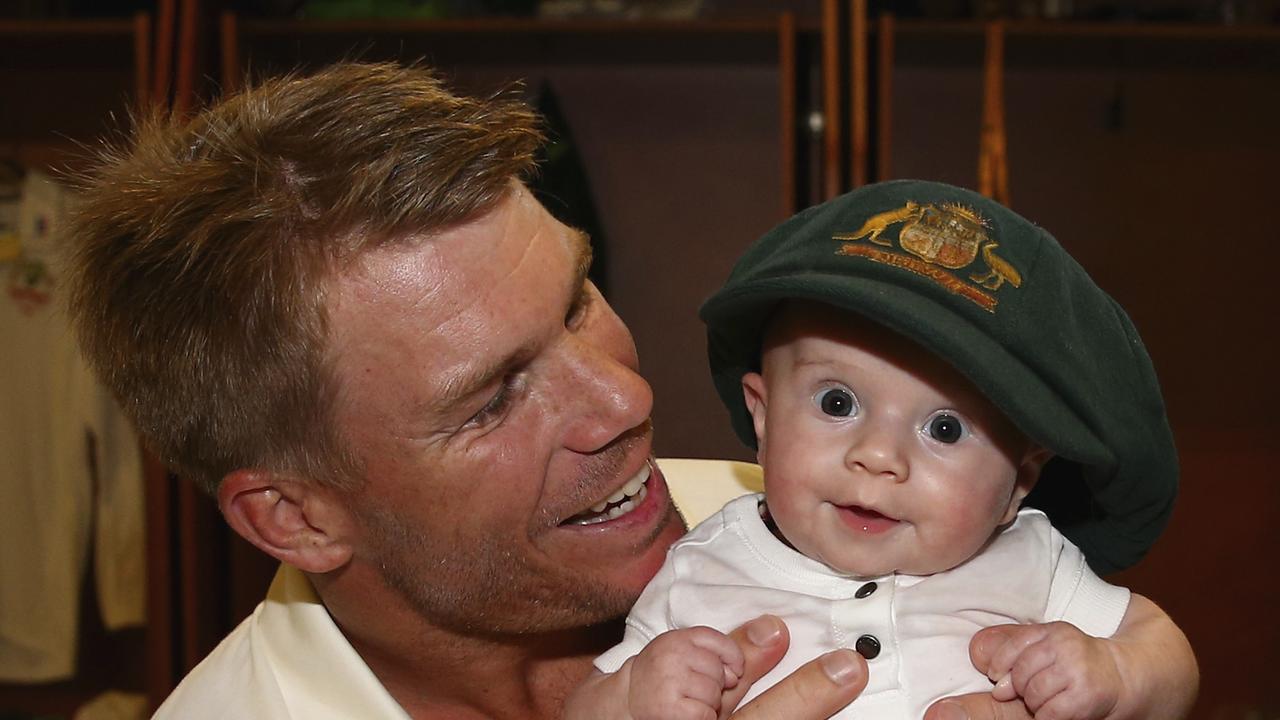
(832,101)
(884,97)
(92,65)
(141,58)
(229,40)
(184,92)
(859,112)
(161,641)
(993,161)
(787,102)
(162,81)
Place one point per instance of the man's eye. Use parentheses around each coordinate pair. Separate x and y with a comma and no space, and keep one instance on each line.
(578,309)
(945,428)
(836,402)
(499,404)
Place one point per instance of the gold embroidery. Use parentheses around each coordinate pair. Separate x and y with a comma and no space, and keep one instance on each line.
(947,235)
(878,223)
(998,270)
(933,272)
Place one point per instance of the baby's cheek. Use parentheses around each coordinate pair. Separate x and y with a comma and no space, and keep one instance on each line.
(795,519)
(960,541)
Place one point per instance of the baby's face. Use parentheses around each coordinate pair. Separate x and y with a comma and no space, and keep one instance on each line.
(878,456)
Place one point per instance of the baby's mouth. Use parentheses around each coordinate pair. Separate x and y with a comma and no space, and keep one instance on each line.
(866,520)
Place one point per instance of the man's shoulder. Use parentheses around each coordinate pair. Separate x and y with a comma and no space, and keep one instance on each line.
(287,661)
(229,683)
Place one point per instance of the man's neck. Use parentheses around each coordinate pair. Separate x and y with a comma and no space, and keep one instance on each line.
(437,673)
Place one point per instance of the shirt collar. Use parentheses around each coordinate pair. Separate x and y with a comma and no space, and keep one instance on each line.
(321,677)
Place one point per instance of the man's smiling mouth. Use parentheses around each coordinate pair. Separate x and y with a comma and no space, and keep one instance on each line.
(621,502)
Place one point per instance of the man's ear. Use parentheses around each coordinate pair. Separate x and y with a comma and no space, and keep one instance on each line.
(756,395)
(291,520)
(1033,461)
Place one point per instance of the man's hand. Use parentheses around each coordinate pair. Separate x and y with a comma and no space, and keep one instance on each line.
(816,691)
(977,706)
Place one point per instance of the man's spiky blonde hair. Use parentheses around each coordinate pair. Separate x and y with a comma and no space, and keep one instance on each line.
(201,250)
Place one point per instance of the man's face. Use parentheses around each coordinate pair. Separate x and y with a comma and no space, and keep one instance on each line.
(878,456)
(492,396)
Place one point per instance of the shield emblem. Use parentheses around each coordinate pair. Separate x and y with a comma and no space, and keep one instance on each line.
(948,235)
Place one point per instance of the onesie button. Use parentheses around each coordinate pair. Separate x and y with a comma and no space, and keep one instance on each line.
(865,590)
(867,646)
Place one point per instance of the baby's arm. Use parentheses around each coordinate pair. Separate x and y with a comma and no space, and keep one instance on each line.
(681,675)
(1145,670)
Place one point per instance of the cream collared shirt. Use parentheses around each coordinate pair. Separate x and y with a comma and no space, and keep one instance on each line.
(289,661)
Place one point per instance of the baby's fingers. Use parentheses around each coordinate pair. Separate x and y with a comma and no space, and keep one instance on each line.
(703,690)
(683,656)
(1033,675)
(1021,664)
(724,648)
(994,650)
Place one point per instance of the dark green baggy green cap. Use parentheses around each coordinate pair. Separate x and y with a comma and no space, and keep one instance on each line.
(1000,299)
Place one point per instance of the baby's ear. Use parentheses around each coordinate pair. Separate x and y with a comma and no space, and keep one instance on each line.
(756,396)
(1033,461)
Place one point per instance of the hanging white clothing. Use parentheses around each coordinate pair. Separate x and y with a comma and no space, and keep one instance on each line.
(50,407)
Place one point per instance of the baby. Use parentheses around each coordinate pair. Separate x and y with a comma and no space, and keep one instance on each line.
(911,360)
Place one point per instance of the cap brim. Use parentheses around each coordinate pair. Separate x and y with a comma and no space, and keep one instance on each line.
(740,314)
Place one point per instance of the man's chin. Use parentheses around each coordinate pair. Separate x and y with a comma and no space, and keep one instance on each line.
(615,577)
(630,577)
(591,604)
(629,547)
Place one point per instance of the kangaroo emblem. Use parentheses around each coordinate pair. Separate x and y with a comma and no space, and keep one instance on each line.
(949,235)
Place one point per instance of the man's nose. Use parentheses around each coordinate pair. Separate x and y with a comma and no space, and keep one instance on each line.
(611,397)
(878,450)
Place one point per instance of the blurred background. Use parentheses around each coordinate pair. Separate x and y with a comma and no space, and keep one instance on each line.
(1142,134)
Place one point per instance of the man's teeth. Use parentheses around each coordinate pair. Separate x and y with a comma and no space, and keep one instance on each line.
(626,507)
(633,486)
(621,502)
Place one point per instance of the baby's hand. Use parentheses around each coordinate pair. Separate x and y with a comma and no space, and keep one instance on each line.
(682,674)
(1059,672)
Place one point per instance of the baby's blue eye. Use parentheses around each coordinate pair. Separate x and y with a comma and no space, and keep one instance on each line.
(945,428)
(836,402)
